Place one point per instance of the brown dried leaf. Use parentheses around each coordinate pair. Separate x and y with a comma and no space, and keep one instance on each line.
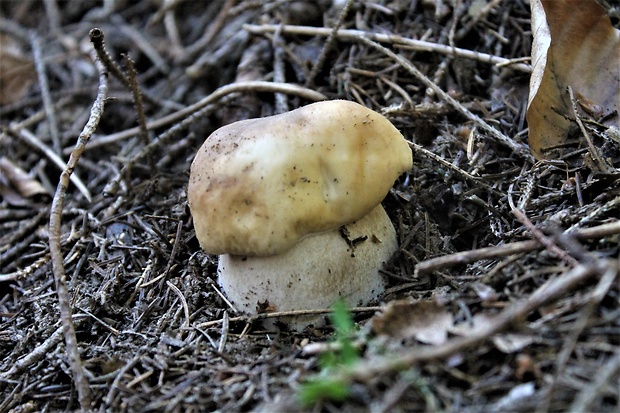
(426,321)
(16,71)
(574,45)
(16,186)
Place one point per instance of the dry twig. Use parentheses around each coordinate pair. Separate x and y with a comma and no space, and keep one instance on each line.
(596,296)
(587,396)
(291,313)
(548,292)
(64,300)
(32,140)
(132,77)
(543,239)
(238,87)
(593,150)
(396,40)
(519,149)
(45,91)
(329,43)
(464,257)
(35,355)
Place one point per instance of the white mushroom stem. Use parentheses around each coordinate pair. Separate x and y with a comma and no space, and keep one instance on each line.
(315,272)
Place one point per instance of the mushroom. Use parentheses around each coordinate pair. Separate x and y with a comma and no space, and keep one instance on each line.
(292,204)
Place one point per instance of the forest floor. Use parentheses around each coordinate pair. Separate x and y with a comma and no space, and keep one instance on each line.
(502,297)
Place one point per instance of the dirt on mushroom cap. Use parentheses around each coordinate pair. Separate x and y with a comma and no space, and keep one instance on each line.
(258,186)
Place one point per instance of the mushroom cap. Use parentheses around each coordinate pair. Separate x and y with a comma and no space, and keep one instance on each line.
(297,280)
(258,186)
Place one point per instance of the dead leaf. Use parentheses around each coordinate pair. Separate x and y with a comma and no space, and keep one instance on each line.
(16,71)
(16,186)
(574,45)
(426,321)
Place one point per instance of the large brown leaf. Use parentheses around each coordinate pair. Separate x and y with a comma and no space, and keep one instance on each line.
(16,71)
(17,187)
(574,45)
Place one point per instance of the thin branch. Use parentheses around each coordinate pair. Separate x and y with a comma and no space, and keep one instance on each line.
(97,38)
(37,354)
(279,75)
(119,376)
(237,87)
(543,239)
(115,183)
(24,272)
(183,302)
(132,77)
(60,277)
(53,16)
(594,152)
(465,257)
(476,18)
(13,28)
(48,106)
(577,328)
(519,149)
(411,44)
(545,294)
(588,395)
(473,179)
(290,313)
(32,140)
(214,28)
(224,333)
(329,44)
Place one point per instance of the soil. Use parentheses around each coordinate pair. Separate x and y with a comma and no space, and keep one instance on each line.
(522,296)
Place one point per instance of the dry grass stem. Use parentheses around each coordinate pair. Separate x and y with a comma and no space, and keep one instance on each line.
(547,293)
(465,257)
(64,300)
(518,149)
(543,239)
(329,43)
(32,140)
(48,106)
(396,40)
(239,87)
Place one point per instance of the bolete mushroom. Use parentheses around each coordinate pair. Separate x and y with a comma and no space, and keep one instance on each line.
(292,204)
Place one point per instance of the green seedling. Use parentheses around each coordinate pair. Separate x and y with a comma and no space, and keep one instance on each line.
(325,386)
